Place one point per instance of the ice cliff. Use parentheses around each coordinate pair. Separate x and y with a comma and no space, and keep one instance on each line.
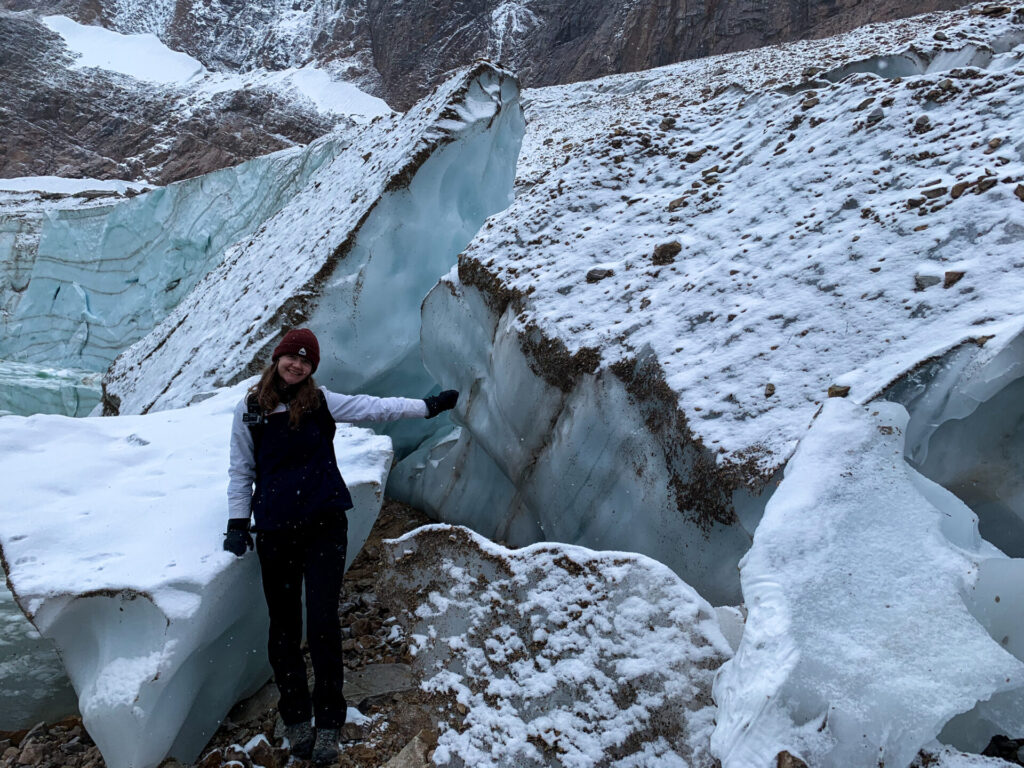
(352,255)
(160,630)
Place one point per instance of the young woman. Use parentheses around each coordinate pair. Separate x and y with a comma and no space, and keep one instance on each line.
(282,443)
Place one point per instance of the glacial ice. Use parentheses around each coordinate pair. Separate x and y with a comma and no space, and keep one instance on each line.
(82,282)
(557,655)
(867,587)
(120,565)
(352,255)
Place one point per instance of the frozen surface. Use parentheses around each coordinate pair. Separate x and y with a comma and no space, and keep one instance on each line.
(61,185)
(120,565)
(863,586)
(556,655)
(26,388)
(352,255)
(84,279)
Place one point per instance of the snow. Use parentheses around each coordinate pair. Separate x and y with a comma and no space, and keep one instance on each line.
(63,186)
(865,586)
(120,564)
(554,654)
(141,56)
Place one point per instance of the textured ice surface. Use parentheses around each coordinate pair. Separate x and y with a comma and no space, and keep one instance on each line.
(33,684)
(352,255)
(557,655)
(27,388)
(113,549)
(862,585)
(84,280)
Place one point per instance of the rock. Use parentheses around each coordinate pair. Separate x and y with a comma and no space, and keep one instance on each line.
(680,202)
(265,754)
(923,124)
(786,760)
(985,184)
(415,753)
(254,706)
(375,680)
(1019,192)
(941,36)
(31,754)
(598,274)
(923,282)
(951,278)
(864,104)
(992,9)
(875,115)
(838,390)
(958,189)
(809,103)
(769,389)
(934,192)
(666,253)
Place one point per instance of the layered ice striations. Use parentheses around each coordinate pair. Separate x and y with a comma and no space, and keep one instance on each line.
(865,586)
(83,282)
(352,255)
(120,566)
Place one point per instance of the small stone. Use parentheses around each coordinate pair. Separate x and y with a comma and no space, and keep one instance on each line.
(351,732)
(837,390)
(934,192)
(942,37)
(1019,192)
(695,155)
(875,115)
(923,124)
(769,389)
(9,754)
(915,202)
(922,282)
(786,760)
(265,754)
(31,755)
(675,205)
(598,273)
(810,72)
(461,707)
(809,103)
(984,185)
(864,104)
(952,277)
(959,188)
(995,143)
(235,753)
(666,253)
(667,124)
(211,759)
(994,10)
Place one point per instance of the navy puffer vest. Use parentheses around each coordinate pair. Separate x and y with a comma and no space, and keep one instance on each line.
(297,476)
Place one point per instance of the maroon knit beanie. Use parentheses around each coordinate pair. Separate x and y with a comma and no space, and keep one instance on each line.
(302,342)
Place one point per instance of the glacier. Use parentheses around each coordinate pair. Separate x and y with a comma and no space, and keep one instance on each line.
(120,566)
(866,586)
(351,255)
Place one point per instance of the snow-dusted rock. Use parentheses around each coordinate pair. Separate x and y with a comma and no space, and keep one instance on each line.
(555,655)
(111,540)
(696,256)
(352,256)
(86,277)
(876,611)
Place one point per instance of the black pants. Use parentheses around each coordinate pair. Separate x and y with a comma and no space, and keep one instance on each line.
(316,553)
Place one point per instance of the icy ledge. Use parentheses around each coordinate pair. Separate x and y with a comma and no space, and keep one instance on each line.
(352,255)
(555,655)
(871,618)
(120,565)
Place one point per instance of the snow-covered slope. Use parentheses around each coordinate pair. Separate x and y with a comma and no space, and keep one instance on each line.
(697,255)
(352,254)
(555,655)
(119,562)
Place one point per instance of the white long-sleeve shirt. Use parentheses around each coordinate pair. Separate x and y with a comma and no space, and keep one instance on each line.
(347,408)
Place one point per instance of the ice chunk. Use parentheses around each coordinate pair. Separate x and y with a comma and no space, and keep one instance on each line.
(352,256)
(112,546)
(27,388)
(556,655)
(858,646)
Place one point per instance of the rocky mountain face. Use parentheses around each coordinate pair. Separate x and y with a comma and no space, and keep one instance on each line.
(87,123)
(56,120)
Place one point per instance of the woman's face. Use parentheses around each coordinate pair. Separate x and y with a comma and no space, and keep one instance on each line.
(293,369)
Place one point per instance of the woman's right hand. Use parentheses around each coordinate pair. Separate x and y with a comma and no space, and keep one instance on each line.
(237,539)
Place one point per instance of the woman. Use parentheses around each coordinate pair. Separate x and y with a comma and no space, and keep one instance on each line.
(282,441)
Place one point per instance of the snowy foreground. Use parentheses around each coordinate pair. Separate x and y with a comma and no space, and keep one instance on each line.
(113,550)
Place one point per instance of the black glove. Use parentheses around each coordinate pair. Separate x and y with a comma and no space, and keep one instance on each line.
(441,402)
(237,540)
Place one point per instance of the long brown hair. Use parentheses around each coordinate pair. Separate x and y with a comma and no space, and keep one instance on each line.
(267,391)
